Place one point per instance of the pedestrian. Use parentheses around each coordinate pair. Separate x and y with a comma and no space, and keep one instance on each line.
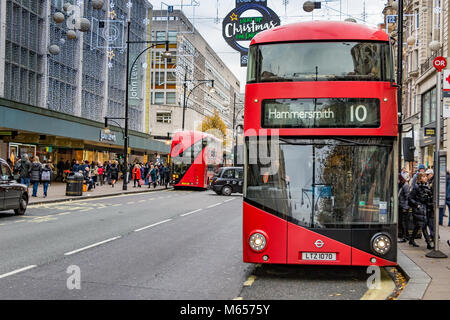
(419,170)
(419,199)
(23,167)
(60,167)
(101,172)
(76,167)
(403,206)
(430,206)
(136,175)
(46,176)
(447,200)
(114,173)
(35,175)
(94,174)
(152,174)
(166,171)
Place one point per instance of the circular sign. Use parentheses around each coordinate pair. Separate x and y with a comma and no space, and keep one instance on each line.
(439,63)
(236,28)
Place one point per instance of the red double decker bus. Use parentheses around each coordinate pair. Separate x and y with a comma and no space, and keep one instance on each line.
(321,142)
(195,158)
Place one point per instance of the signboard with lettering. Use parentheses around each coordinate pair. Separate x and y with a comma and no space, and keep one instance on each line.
(429,132)
(107,137)
(236,28)
(321,113)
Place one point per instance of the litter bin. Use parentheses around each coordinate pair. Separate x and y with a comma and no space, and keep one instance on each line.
(74,186)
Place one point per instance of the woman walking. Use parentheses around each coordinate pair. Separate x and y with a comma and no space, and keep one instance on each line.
(419,198)
(46,176)
(35,175)
(101,172)
(136,175)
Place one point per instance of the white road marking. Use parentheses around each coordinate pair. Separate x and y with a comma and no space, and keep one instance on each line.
(229,200)
(152,225)
(214,205)
(17,271)
(91,246)
(186,214)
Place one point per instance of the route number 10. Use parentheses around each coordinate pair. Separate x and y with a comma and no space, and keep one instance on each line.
(359,113)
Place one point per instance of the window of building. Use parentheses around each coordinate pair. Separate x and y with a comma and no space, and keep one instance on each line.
(429,107)
(164,117)
(171,98)
(159,97)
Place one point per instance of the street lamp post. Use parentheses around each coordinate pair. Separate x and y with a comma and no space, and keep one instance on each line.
(127,81)
(185,99)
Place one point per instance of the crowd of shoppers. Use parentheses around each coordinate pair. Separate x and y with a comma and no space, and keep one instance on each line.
(32,172)
(416,198)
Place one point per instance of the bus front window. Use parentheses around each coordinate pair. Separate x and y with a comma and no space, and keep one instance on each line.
(327,183)
(319,61)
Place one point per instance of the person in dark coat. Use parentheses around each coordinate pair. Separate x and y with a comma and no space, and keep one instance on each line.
(403,206)
(419,198)
(114,173)
(23,167)
(35,175)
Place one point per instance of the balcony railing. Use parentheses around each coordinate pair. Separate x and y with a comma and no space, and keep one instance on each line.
(424,67)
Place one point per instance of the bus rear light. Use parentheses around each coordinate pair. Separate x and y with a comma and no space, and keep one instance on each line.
(257,242)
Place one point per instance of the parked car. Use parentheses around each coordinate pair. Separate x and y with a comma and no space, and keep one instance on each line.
(13,195)
(228,180)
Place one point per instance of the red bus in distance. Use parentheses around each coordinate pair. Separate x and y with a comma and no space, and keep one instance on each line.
(195,157)
(321,134)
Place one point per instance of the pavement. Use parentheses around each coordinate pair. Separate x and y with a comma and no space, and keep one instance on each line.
(57,192)
(429,278)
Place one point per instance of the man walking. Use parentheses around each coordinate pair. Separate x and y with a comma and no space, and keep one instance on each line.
(23,166)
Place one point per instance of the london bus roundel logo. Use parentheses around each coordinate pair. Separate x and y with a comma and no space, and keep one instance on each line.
(319,243)
(439,63)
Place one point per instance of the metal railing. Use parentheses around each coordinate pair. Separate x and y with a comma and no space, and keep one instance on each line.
(424,67)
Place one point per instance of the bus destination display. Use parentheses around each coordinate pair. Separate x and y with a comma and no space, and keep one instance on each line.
(321,113)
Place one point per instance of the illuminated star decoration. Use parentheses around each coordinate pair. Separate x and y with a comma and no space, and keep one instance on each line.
(234,17)
(129,4)
(110,65)
(146,21)
(112,5)
(112,14)
(110,54)
(80,3)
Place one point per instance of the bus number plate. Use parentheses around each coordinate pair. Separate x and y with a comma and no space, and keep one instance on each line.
(319,256)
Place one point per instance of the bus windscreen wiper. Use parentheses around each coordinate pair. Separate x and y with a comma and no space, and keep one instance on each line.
(356,143)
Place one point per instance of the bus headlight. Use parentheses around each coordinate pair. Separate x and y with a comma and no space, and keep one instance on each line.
(381,243)
(257,241)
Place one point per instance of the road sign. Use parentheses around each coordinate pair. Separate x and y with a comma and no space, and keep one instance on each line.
(446,86)
(439,63)
(446,108)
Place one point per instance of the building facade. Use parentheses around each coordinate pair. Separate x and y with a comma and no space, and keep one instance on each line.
(425,37)
(192,60)
(57,75)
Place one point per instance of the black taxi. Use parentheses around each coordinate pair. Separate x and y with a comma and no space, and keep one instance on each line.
(228,180)
(13,195)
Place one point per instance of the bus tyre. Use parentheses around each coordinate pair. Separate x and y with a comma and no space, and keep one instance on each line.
(22,206)
(226,190)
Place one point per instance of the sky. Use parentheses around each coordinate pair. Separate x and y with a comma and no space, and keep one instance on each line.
(208,12)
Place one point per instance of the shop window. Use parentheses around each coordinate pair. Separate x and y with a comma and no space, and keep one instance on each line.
(429,107)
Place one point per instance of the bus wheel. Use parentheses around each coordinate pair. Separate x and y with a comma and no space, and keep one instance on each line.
(226,190)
